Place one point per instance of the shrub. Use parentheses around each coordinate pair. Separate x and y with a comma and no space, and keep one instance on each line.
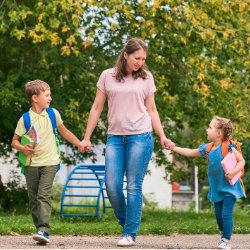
(13,197)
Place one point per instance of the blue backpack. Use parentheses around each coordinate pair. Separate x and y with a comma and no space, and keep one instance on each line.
(52,116)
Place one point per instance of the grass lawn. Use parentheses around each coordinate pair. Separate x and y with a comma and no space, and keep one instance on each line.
(154,222)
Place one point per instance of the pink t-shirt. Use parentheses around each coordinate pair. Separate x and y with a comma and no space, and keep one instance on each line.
(127,113)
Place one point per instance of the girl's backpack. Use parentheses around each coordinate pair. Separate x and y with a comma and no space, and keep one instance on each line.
(224,151)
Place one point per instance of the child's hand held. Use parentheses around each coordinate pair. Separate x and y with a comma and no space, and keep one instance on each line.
(85,145)
(172,145)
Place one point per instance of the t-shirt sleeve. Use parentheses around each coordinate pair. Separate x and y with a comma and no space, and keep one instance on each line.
(59,120)
(151,85)
(202,149)
(101,82)
(230,146)
(20,128)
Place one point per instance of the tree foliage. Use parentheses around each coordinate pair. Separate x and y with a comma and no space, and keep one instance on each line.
(43,40)
(198,54)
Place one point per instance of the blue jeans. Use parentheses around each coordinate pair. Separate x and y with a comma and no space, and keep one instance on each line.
(224,215)
(128,154)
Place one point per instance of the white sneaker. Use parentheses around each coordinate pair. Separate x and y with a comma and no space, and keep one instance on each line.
(126,241)
(224,244)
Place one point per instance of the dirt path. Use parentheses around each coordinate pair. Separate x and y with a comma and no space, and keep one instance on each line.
(239,241)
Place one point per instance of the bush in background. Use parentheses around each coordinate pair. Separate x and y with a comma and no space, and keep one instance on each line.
(13,197)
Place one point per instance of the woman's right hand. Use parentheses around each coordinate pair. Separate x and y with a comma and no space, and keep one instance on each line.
(85,145)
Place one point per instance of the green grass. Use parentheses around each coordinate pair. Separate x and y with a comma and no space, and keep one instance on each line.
(154,222)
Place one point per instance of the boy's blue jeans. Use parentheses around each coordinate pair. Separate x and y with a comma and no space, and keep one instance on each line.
(39,184)
(130,154)
(224,215)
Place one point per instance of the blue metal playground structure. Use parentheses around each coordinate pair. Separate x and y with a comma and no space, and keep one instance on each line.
(87,183)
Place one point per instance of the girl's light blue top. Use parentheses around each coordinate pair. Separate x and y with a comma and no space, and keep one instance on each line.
(219,185)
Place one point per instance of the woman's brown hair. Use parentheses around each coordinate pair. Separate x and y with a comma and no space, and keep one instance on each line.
(130,47)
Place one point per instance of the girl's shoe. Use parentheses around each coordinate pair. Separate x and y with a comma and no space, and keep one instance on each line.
(126,241)
(224,244)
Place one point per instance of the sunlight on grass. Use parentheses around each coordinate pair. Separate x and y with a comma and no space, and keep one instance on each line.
(154,222)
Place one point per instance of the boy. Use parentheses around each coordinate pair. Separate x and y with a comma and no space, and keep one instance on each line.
(45,158)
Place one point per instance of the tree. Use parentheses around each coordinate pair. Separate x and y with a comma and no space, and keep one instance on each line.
(43,40)
(246,177)
(197,54)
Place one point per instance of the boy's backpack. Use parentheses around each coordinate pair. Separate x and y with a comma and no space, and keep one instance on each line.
(52,116)
(224,151)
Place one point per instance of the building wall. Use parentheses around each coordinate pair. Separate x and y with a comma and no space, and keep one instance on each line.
(155,188)
(182,199)
(10,171)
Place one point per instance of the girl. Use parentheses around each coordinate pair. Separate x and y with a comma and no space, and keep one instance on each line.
(132,115)
(221,192)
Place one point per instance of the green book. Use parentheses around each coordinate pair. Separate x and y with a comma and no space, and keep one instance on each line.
(24,159)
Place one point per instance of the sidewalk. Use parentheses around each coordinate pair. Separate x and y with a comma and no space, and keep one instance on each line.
(202,241)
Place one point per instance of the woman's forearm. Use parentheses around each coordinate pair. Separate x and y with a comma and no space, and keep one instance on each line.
(156,124)
(94,116)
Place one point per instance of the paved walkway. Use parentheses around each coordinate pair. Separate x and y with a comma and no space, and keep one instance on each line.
(202,241)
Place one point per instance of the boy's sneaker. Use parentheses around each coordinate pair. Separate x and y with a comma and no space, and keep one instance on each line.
(41,237)
(126,241)
(224,244)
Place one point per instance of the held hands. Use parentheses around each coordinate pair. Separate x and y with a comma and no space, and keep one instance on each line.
(85,145)
(28,150)
(167,144)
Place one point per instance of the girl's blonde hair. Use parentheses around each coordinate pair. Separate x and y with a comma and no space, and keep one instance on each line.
(226,126)
(132,45)
(35,88)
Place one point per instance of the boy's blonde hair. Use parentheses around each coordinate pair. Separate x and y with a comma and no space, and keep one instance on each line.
(226,126)
(35,88)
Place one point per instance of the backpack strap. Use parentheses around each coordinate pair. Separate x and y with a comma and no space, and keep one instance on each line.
(243,187)
(208,149)
(224,148)
(52,117)
(26,121)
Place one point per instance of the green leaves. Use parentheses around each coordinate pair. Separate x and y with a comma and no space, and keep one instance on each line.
(198,54)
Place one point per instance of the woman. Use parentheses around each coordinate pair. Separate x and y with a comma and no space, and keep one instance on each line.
(129,88)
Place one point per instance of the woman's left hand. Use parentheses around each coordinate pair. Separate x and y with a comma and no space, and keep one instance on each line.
(167,144)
